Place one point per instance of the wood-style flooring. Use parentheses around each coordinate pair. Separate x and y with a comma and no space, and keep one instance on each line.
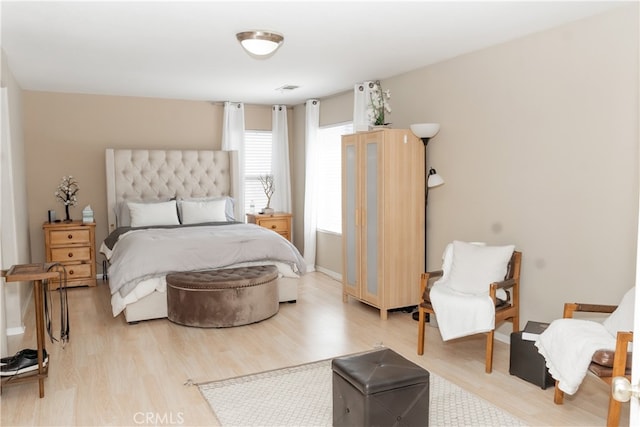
(113,373)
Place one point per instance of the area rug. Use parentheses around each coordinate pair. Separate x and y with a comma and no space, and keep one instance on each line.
(302,396)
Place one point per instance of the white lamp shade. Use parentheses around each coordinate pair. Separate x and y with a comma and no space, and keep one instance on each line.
(434,180)
(425,130)
(260,43)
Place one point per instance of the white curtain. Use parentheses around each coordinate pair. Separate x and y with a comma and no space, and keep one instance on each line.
(281,200)
(312,123)
(361,100)
(233,140)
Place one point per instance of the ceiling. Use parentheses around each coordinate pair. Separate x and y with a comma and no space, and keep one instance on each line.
(188,50)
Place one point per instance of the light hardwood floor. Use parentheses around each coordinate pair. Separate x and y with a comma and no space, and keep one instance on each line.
(112,373)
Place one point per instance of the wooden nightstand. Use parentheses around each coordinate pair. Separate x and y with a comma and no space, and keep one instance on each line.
(72,244)
(279,222)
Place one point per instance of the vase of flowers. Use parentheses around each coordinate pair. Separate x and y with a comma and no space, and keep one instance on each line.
(378,105)
(67,194)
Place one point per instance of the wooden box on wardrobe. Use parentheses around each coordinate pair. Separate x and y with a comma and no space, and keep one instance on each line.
(383,203)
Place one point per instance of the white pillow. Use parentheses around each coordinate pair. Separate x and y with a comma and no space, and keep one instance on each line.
(622,318)
(148,214)
(474,267)
(122,210)
(447,258)
(194,212)
(228,210)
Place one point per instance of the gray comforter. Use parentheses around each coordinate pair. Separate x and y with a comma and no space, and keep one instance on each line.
(140,254)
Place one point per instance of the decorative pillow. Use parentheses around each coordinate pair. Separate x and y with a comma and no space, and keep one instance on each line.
(148,214)
(447,258)
(194,212)
(622,318)
(123,217)
(474,267)
(228,209)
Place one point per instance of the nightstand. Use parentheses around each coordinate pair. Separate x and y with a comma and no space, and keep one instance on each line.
(280,222)
(72,244)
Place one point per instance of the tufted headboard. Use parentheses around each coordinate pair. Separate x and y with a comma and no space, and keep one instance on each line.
(151,175)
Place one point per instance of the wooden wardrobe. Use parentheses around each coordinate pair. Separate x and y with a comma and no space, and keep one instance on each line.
(383,220)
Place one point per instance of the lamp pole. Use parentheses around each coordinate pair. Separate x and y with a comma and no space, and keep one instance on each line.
(425,141)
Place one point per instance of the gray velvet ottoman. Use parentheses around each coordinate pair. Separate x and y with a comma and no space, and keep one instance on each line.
(379,388)
(223,298)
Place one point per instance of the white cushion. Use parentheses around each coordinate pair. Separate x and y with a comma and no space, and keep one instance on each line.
(123,217)
(447,258)
(148,214)
(228,210)
(475,267)
(194,212)
(622,318)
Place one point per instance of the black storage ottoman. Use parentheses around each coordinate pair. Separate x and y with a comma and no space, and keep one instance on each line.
(526,363)
(379,388)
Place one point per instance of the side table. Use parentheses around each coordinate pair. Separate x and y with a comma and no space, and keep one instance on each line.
(526,363)
(280,222)
(35,273)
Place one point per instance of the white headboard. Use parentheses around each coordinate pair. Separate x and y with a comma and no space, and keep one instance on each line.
(149,175)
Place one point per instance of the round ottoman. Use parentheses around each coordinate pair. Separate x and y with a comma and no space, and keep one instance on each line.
(223,298)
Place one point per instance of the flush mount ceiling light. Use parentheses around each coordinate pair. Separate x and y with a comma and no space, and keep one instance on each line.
(260,44)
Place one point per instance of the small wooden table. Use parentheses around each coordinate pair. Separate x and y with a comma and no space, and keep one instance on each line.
(280,222)
(35,273)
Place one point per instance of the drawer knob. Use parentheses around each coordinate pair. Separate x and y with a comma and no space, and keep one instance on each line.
(69,236)
(70,272)
(273,226)
(70,254)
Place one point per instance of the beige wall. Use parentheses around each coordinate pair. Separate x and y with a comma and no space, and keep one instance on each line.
(539,147)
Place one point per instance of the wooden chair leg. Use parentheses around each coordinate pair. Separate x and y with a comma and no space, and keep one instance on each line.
(613,416)
(421,316)
(558,395)
(488,363)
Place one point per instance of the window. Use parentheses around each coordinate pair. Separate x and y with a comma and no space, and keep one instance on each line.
(257,161)
(330,176)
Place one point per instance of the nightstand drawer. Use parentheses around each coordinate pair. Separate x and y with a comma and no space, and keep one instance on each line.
(70,254)
(77,271)
(276,224)
(65,237)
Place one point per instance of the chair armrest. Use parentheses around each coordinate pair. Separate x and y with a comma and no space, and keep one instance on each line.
(572,307)
(433,274)
(504,284)
(424,284)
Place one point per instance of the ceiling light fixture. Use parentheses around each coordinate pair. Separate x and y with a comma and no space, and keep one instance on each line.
(260,44)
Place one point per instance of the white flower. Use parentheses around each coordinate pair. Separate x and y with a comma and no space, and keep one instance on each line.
(67,190)
(378,104)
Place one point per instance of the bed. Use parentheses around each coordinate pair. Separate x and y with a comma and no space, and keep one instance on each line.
(146,242)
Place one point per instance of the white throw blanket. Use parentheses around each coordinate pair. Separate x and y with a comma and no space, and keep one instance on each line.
(568,345)
(460,314)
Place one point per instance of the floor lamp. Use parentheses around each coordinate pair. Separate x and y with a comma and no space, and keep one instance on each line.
(426,131)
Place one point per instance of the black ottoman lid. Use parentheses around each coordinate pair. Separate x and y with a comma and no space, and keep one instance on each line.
(378,371)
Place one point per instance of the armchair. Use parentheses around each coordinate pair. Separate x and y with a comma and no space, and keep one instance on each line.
(493,298)
(604,363)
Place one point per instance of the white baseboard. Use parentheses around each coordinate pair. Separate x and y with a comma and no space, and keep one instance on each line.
(330,273)
(16,330)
